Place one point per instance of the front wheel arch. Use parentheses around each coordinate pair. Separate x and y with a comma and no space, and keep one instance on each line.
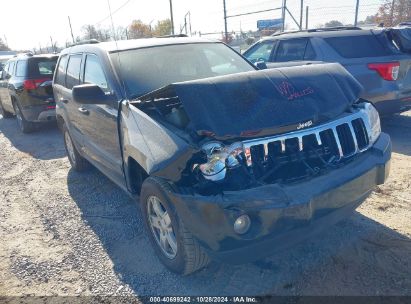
(136,175)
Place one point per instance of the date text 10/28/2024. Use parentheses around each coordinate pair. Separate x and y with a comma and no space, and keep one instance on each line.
(188,299)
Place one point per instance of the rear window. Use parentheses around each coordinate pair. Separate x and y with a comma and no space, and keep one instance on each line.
(358,46)
(42,66)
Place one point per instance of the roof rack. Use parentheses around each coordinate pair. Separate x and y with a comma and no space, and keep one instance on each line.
(90,41)
(28,54)
(323,29)
(173,36)
(335,28)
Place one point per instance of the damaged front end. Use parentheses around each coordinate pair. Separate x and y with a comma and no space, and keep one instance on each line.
(261,160)
(266,127)
(287,158)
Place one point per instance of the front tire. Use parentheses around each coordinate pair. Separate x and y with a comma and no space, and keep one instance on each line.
(176,248)
(78,162)
(24,125)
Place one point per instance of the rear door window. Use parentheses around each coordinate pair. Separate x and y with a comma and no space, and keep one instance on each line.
(294,49)
(261,51)
(73,71)
(21,68)
(358,46)
(61,71)
(11,68)
(6,68)
(93,72)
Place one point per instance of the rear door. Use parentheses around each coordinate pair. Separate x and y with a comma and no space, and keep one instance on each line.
(67,76)
(294,52)
(40,74)
(98,123)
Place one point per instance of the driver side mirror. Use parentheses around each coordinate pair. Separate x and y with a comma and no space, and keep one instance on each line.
(2,73)
(261,65)
(90,94)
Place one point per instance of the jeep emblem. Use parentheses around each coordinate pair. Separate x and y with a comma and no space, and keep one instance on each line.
(306,124)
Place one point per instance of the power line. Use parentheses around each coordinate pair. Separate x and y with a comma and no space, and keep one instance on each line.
(115,11)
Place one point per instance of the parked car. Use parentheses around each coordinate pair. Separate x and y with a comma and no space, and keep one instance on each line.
(26,90)
(228,162)
(5,56)
(369,55)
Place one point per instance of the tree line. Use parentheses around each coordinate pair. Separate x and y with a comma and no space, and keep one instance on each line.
(137,29)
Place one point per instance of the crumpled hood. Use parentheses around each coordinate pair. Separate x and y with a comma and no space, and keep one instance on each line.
(266,102)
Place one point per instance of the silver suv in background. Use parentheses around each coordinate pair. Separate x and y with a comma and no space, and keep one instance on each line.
(372,56)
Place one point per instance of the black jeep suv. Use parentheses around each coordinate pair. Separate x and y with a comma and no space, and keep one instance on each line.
(26,90)
(227,162)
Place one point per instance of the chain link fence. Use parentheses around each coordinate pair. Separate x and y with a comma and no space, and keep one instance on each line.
(242,16)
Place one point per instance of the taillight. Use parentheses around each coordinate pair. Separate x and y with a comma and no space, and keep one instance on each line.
(32,84)
(387,70)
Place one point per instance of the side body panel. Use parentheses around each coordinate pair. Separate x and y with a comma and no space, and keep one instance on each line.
(4,89)
(159,151)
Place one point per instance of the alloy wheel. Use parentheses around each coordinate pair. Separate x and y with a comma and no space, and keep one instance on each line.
(161,227)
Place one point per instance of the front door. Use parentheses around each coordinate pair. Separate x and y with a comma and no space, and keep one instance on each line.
(99,124)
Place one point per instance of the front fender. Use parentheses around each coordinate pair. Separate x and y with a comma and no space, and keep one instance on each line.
(158,150)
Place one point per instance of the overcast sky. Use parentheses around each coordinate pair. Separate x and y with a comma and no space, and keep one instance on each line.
(27,24)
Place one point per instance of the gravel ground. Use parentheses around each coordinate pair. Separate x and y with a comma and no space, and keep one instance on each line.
(65,233)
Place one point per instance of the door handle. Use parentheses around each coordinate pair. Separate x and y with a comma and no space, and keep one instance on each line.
(63,100)
(83,111)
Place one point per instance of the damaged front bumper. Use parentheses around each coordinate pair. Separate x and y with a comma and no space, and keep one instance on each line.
(282,215)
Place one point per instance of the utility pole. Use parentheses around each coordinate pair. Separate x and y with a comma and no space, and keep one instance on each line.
(225,22)
(171,16)
(306,17)
(392,12)
(151,29)
(52,45)
(5,40)
(71,29)
(189,22)
(283,14)
(301,14)
(356,13)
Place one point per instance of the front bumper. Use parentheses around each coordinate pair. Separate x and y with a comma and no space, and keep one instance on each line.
(282,215)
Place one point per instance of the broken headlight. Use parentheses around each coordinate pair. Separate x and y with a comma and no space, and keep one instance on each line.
(219,159)
(374,122)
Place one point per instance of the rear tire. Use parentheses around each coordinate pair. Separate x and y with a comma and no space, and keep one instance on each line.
(4,113)
(24,125)
(188,256)
(78,162)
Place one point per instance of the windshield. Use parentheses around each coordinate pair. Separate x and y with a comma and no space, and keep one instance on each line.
(147,69)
